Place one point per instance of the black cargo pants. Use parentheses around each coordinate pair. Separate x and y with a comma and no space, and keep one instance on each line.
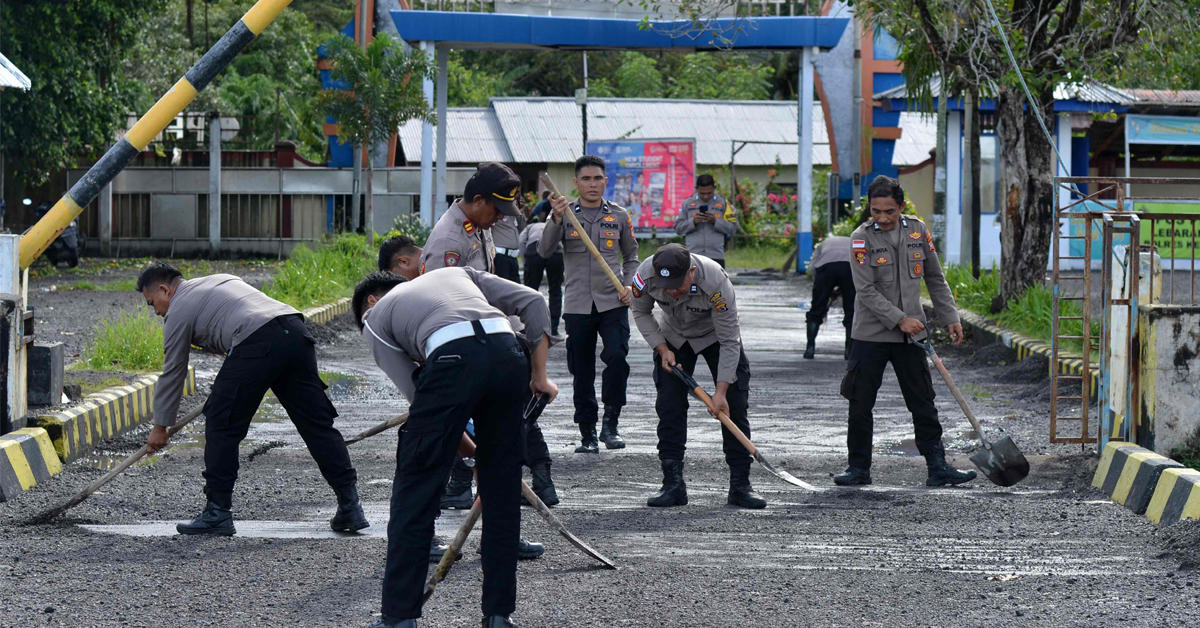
(278,356)
(447,396)
(864,376)
(828,277)
(672,404)
(612,326)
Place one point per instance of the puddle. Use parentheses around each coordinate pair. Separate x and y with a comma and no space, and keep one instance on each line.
(338,383)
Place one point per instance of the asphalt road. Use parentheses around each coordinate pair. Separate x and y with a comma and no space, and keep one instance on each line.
(1049,552)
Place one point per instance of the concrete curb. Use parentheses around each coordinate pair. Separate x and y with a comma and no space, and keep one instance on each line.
(105,414)
(322,314)
(1024,346)
(26,458)
(1130,475)
(1177,497)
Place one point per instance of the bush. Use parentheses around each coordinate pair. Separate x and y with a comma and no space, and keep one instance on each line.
(327,273)
(131,343)
(411,226)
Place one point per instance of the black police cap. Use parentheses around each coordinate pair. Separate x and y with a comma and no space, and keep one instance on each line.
(671,265)
(499,184)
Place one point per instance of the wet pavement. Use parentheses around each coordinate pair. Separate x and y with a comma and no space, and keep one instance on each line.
(1048,552)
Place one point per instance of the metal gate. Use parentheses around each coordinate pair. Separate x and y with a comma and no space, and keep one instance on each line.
(1112,221)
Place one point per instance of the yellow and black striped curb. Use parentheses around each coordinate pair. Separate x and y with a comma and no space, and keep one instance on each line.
(322,314)
(27,458)
(1176,497)
(105,414)
(1068,363)
(1130,474)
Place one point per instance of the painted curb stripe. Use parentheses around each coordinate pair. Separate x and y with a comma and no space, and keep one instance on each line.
(28,458)
(1106,459)
(1181,501)
(1167,483)
(1145,480)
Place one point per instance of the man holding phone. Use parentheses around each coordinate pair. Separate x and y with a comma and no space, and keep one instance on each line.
(706,220)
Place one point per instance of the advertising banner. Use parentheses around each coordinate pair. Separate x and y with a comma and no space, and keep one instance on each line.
(650,178)
(1164,233)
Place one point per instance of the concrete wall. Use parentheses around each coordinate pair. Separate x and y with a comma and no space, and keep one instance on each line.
(1169,376)
(918,187)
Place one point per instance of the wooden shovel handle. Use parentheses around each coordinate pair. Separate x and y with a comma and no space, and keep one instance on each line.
(725,420)
(549,183)
(962,403)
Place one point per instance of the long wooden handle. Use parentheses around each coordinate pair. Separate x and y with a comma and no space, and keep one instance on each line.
(114,472)
(451,555)
(549,183)
(725,420)
(937,362)
(382,427)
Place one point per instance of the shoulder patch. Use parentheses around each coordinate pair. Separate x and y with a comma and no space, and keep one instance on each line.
(722,308)
(422,271)
(860,256)
(451,258)
(715,297)
(929,242)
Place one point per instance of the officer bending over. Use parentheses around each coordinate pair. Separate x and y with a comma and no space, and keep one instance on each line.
(697,316)
(706,219)
(449,328)
(266,346)
(831,270)
(892,253)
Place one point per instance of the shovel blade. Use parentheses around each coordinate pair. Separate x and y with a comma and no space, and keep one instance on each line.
(1003,464)
(784,475)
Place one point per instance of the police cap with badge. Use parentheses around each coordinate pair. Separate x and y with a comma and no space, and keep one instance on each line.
(671,265)
(498,184)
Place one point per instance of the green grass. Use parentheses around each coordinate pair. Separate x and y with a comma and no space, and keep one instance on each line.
(130,343)
(1029,314)
(120,285)
(746,253)
(1187,455)
(93,387)
(329,272)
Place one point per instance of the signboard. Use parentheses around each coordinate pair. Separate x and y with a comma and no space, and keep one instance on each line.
(1182,232)
(1162,129)
(650,178)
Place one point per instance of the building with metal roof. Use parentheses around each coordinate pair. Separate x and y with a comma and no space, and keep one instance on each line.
(11,76)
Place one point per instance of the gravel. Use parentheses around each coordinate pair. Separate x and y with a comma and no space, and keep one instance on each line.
(894,554)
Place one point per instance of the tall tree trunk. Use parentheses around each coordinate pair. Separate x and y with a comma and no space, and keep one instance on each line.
(1027,186)
(939,169)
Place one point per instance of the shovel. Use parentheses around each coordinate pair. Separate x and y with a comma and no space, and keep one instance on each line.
(1000,461)
(699,393)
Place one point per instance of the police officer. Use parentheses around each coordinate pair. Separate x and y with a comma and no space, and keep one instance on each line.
(506,233)
(593,305)
(449,326)
(706,220)
(697,317)
(892,253)
(536,265)
(831,270)
(267,346)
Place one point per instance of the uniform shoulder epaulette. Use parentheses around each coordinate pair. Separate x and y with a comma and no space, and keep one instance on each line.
(914,217)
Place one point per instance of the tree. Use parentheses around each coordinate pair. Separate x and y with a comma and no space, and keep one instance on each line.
(386,92)
(638,76)
(721,76)
(72,53)
(1056,42)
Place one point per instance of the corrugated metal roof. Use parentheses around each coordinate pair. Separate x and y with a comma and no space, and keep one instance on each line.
(549,129)
(1083,92)
(11,76)
(1178,98)
(473,134)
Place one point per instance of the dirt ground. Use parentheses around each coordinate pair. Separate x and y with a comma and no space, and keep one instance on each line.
(1048,552)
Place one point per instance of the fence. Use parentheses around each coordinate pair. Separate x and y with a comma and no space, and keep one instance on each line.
(263,210)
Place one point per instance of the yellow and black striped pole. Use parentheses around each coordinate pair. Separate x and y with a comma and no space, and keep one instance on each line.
(35,241)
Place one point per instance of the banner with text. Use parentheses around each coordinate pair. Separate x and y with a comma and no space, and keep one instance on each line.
(650,178)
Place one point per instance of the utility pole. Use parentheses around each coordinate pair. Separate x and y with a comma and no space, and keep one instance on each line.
(969,242)
(939,171)
(583,102)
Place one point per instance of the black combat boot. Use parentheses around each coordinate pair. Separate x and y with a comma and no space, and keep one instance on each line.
(543,486)
(849,343)
(498,621)
(810,350)
(588,443)
(940,471)
(853,476)
(437,550)
(608,430)
(740,492)
(527,550)
(674,491)
(458,489)
(215,519)
(349,516)
(388,622)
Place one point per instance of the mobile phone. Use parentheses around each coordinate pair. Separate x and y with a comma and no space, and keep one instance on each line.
(704,209)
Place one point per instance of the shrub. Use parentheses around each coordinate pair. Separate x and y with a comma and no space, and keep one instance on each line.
(411,226)
(131,343)
(330,271)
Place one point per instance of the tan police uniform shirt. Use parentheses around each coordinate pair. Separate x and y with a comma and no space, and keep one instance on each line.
(887,278)
(215,313)
(832,249)
(506,234)
(707,314)
(400,324)
(706,238)
(456,241)
(611,230)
